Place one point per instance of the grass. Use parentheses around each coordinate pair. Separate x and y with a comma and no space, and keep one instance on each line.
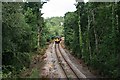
(35,73)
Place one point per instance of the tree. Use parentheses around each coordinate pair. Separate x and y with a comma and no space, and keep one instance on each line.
(20,23)
(98,35)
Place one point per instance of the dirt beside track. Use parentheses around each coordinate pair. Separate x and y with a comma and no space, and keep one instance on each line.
(52,68)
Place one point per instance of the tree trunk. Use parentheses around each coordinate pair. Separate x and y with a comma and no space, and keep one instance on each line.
(80,35)
(95,33)
(89,47)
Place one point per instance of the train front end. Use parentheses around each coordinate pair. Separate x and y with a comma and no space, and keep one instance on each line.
(57,40)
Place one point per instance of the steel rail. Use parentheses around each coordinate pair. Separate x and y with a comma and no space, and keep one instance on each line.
(68,63)
(60,63)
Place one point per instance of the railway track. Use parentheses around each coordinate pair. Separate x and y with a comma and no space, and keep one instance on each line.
(68,69)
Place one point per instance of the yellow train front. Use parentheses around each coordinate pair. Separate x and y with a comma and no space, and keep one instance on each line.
(57,40)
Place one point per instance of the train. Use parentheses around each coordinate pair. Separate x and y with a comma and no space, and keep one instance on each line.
(57,40)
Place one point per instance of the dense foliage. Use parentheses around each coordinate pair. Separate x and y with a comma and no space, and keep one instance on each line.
(22,33)
(54,26)
(94,28)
